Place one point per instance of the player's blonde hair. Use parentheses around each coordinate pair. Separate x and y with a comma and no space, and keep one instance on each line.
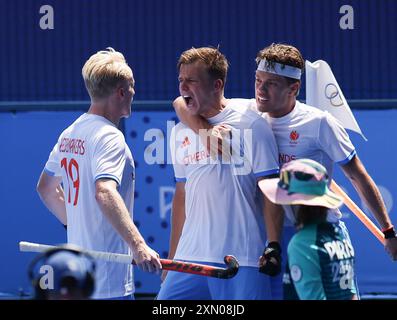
(213,59)
(103,71)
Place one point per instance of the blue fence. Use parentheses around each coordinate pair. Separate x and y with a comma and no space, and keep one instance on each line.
(27,138)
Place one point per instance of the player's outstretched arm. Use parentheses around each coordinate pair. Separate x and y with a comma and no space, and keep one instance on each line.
(212,137)
(369,193)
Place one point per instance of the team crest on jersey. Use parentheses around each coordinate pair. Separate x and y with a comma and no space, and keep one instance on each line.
(294,136)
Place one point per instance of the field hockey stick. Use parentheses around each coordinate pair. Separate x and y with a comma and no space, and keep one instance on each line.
(172,265)
(358,212)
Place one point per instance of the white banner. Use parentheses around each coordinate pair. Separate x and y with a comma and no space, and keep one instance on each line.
(323,92)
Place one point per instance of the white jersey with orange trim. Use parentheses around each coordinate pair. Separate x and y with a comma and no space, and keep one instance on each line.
(89,149)
(223,204)
(308,132)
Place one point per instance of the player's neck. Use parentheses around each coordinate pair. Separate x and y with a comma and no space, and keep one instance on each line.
(215,108)
(103,108)
(282,112)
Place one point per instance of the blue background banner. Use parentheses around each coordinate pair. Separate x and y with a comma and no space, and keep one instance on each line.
(153,33)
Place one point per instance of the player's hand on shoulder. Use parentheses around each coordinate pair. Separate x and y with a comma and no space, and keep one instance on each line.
(219,141)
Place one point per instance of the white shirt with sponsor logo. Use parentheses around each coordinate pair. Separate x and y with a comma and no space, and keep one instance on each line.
(223,204)
(307,132)
(90,149)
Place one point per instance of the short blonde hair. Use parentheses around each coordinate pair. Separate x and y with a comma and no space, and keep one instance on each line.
(103,71)
(215,62)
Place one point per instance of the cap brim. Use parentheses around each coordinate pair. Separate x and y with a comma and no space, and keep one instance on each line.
(277,195)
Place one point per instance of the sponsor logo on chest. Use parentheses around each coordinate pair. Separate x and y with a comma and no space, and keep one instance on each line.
(189,153)
(186,142)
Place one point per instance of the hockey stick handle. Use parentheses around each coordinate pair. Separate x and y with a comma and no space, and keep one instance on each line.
(100,255)
(358,212)
(172,265)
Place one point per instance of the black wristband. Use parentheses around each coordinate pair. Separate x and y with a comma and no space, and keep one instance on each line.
(389,233)
(274,245)
(65,226)
(272,259)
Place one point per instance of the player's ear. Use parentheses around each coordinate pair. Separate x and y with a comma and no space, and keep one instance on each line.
(218,84)
(120,91)
(294,88)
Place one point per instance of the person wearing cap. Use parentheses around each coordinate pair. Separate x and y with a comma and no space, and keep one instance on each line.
(320,256)
(301,131)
